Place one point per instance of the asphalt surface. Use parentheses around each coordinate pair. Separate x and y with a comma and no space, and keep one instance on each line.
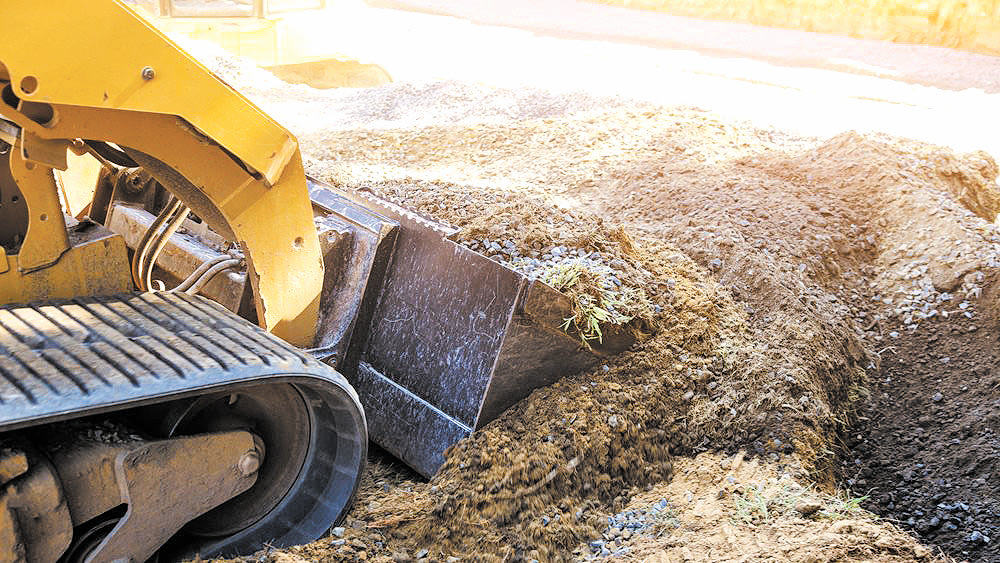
(916,64)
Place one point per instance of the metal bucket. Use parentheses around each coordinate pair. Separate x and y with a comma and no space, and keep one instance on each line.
(437,339)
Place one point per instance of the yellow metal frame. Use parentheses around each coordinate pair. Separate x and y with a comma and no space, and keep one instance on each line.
(95,70)
(97,267)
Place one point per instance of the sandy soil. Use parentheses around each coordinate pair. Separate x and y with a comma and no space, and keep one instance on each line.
(784,269)
(729,509)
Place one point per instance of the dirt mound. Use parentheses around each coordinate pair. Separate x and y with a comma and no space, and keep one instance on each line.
(773,267)
(794,230)
(778,371)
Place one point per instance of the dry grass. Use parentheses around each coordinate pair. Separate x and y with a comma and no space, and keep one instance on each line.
(972,25)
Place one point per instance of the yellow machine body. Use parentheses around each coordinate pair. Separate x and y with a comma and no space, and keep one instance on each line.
(141,92)
(114,141)
(136,423)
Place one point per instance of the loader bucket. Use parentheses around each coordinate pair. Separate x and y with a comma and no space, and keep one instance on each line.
(437,339)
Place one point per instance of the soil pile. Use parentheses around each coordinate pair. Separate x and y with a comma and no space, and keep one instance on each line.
(774,268)
(799,234)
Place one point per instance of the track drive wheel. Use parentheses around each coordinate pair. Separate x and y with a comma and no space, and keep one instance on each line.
(313,443)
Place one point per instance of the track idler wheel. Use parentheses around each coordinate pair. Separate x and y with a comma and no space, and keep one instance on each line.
(313,443)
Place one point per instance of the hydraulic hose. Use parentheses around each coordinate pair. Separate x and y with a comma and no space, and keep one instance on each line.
(139,256)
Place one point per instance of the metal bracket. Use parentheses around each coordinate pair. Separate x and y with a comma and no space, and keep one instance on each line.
(46,239)
(35,521)
(47,152)
(206,470)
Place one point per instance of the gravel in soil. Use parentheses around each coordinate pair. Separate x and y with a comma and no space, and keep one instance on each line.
(728,508)
(777,270)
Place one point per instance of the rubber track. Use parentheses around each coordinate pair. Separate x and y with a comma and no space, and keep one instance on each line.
(64,359)
(67,359)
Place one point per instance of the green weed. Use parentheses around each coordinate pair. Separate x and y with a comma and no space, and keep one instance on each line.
(839,508)
(757,504)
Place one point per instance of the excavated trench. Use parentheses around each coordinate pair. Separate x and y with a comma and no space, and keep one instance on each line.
(925,450)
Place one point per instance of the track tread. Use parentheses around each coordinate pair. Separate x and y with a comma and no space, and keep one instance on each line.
(61,359)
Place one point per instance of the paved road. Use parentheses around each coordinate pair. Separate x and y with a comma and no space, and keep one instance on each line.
(804,82)
(916,64)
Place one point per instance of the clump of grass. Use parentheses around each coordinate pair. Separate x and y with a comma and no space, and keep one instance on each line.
(759,504)
(838,508)
(597,300)
(751,507)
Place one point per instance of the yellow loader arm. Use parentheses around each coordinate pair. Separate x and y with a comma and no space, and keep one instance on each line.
(232,165)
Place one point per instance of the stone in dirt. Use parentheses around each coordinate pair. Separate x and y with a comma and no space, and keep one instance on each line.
(808,508)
